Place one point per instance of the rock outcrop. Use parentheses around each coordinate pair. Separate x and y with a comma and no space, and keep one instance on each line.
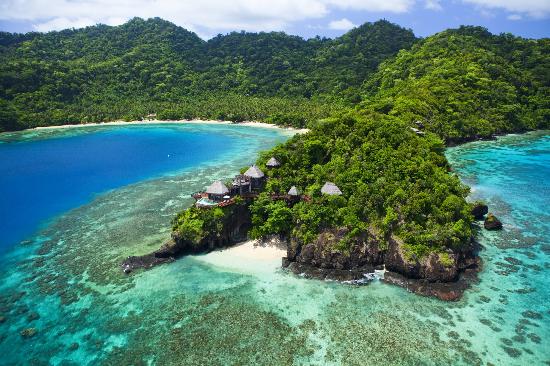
(479,210)
(324,252)
(445,275)
(235,227)
(434,267)
(492,223)
(323,259)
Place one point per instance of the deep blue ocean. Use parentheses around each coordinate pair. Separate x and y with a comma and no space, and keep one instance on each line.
(80,200)
(44,177)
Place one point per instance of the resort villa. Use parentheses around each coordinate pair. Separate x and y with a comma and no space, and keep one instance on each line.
(248,185)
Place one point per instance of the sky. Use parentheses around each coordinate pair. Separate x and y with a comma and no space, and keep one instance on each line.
(306,18)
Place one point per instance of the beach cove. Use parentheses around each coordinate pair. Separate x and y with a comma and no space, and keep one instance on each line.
(238,306)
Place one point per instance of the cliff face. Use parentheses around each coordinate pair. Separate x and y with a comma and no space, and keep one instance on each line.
(234,228)
(434,267)
(443,275)
(324,252)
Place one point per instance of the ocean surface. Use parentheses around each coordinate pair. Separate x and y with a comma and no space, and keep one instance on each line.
(112,191)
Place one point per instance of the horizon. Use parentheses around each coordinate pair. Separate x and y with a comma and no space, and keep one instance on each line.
(304,18)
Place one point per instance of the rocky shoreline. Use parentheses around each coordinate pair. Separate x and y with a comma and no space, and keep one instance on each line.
(445,275)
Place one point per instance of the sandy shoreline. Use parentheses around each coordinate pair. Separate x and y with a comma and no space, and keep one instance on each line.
(180,122)
(252,256)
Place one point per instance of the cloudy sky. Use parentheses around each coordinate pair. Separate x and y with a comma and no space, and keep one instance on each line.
(307,18)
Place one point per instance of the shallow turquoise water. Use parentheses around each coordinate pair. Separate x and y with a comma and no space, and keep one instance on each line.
(198,311)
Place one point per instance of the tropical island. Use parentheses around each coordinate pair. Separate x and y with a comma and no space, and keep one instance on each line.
(381,106)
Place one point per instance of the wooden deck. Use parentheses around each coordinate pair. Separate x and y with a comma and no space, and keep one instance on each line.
(250,195)
(226,203)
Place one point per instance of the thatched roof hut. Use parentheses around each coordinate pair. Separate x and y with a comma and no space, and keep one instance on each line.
(217,188)
(293,191)
(273,163)
(331,189)
(254,172)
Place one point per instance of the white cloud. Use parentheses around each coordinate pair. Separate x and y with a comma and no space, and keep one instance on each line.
(433,5)
(206,16)
(534,8)
(251,15)
(64,23)
(514,17)
(342,24)
(394,6)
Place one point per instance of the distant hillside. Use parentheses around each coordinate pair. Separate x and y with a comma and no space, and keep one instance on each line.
(466,82)
(153,66)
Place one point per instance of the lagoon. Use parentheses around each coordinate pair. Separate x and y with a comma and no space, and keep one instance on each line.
(223,308)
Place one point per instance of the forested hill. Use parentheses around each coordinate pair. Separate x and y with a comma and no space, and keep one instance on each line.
(466,83)
(460,83)
(103,73)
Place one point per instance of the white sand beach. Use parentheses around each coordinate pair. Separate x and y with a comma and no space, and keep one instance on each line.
(252,256)
(179,122)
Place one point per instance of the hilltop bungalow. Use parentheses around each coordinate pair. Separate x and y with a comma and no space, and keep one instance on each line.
(331,189)
(256,176)
(272,163)
(217,191)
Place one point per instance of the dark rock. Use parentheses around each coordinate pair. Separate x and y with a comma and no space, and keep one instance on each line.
(436,267)
(398,262)
(144,261)
(355,276)
(73,346)
(28,332)
(444,275)
(447,291)
(285,262)
(492,223)
(2,319)
(479,210)
(326,251)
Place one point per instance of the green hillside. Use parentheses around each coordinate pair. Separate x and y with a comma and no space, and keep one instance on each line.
(466,82)
(104,73)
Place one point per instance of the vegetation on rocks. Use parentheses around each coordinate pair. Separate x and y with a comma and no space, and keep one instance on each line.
(195,225)
(391,179)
